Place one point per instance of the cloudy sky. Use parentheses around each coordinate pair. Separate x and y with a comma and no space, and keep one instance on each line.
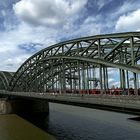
(27,26)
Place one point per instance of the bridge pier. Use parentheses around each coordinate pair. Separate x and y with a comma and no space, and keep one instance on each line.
(23,106)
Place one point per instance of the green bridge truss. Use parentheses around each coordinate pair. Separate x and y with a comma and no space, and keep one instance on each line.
(74,65)
(5,78)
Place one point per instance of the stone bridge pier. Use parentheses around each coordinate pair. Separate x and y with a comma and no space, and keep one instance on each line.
(23,106)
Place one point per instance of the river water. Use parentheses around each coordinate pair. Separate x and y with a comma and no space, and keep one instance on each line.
(78,123)
(66,122)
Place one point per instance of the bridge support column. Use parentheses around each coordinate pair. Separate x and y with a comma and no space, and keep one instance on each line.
(23,106)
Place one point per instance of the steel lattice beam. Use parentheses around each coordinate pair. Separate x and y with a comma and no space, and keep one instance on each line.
(119,50)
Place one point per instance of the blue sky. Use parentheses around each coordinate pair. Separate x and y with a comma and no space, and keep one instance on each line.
(27,26)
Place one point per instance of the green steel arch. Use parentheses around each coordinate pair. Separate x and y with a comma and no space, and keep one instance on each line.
(55,66)
(5,78)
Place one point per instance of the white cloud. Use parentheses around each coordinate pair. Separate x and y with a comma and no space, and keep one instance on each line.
(11,55)
(13,62)
(87,28)
(127,7)
(113,77)
(129,22)
(102,3)
(111,80)
(48,12)
(3,13)
(113,83)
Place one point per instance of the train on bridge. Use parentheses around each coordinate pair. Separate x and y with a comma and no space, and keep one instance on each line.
(112,91)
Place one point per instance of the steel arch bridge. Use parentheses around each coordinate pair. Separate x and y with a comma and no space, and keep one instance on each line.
(73,66)
(5,78)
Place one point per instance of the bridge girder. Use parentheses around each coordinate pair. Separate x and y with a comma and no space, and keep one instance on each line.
(120,51)
(5,78)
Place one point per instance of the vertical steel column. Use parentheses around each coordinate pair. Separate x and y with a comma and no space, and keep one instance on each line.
(63,78)
(79,77)
(123,79)
(90,71)
(70,78)
(36,81)
(133,63)
(52,78)
(87,79)
(46,80)
(106,72)
(57,83)
(122,72)
(104,78)
(44,84)
(100,67)
(132,51)
(63,73)
(74,79)
(33,82)
(104,75)
(25,84)
(137,81)
(93,72)
(83,76)
(101,81)
(60,79)
(127,75)
(135,84)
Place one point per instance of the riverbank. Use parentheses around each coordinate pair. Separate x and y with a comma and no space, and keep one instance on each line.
(13,127)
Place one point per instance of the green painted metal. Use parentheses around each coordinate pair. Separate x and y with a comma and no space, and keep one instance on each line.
(48,69)
(5,78)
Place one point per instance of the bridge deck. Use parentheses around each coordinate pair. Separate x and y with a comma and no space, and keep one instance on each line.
(123,102)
